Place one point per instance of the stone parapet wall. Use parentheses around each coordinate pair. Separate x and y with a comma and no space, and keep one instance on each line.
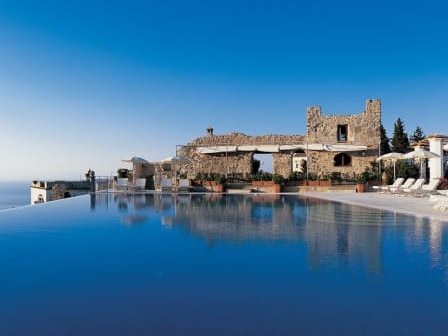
(363,128)
(238,139)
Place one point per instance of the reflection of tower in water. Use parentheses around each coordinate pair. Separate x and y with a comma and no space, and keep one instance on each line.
(339,233)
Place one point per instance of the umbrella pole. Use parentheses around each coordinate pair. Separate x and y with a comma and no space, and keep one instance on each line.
(394,172)
(421,168)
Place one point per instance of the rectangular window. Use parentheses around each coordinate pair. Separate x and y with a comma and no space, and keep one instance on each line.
(342,133)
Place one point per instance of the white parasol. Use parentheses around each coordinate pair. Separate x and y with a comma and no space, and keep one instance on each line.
(175,159)
(420,153)
(135,159)
(393,156)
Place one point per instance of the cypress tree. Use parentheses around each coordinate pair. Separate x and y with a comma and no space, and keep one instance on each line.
(418,135)
(384,144)
(400,141)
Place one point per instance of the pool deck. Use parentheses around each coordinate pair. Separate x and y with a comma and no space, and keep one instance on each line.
(416,206)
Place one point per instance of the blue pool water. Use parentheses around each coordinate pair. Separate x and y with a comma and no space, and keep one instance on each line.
(219,265)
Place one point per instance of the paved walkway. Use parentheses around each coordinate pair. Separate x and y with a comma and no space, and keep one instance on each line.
(417,206)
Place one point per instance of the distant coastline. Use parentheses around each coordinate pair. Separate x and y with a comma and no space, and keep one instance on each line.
(14,194)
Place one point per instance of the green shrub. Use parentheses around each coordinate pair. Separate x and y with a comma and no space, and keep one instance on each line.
(220,179)
(278,179)
(296,176)
(403,169)
(363,177)
(336,177)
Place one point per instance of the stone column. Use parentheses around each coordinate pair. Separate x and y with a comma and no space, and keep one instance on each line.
(436,164)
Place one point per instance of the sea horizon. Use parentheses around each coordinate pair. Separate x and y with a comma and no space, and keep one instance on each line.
(14,194)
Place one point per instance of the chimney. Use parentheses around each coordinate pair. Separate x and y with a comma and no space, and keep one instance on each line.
(209,131)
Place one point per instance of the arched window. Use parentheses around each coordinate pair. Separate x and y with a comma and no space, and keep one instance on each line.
(342,159)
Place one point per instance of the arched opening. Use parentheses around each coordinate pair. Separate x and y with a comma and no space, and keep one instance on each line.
(342,159)
(262,162)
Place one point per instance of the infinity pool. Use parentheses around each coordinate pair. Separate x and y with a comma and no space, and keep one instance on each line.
(209,264)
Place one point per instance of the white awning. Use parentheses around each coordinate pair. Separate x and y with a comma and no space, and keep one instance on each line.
(243,148)
(277,148)
(247,148)
(315,147)
(215,149)
(345,148)
(268,148)
(291,147)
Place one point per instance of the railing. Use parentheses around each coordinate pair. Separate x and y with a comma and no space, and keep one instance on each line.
(104,183)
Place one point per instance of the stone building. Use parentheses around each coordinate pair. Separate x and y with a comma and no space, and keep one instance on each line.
(333,143)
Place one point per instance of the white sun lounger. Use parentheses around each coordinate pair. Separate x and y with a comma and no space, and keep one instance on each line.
(165,184)
(413,188)
(407,184)
(121,183)
(139,184)
(184,185)
(427,189)
(398,182)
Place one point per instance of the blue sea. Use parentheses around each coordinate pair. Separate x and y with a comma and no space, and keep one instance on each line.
(14,194)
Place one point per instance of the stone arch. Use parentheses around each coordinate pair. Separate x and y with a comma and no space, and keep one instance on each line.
(342,160)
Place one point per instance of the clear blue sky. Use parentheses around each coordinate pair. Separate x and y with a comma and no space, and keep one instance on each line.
(84,84)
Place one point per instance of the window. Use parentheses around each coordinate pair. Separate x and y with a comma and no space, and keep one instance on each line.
(342,133)
(342,159)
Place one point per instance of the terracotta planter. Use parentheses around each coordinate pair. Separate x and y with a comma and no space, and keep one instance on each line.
(360,188)
(277,188)
(384,178)
(218,188)
(262,183)
(295,183)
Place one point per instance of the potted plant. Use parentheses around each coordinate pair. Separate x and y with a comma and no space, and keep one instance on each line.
(361,181)
(220,181)
(313,179)
(262,179)
(325,180)
(278,181)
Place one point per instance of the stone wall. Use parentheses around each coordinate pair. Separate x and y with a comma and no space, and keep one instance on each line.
(58,192)
(237,163)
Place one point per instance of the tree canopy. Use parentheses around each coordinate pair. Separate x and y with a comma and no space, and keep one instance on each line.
(384,142)
(400,141)
(418,135)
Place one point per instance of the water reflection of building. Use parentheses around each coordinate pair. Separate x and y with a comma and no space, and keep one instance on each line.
(335,234)
(239,217)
